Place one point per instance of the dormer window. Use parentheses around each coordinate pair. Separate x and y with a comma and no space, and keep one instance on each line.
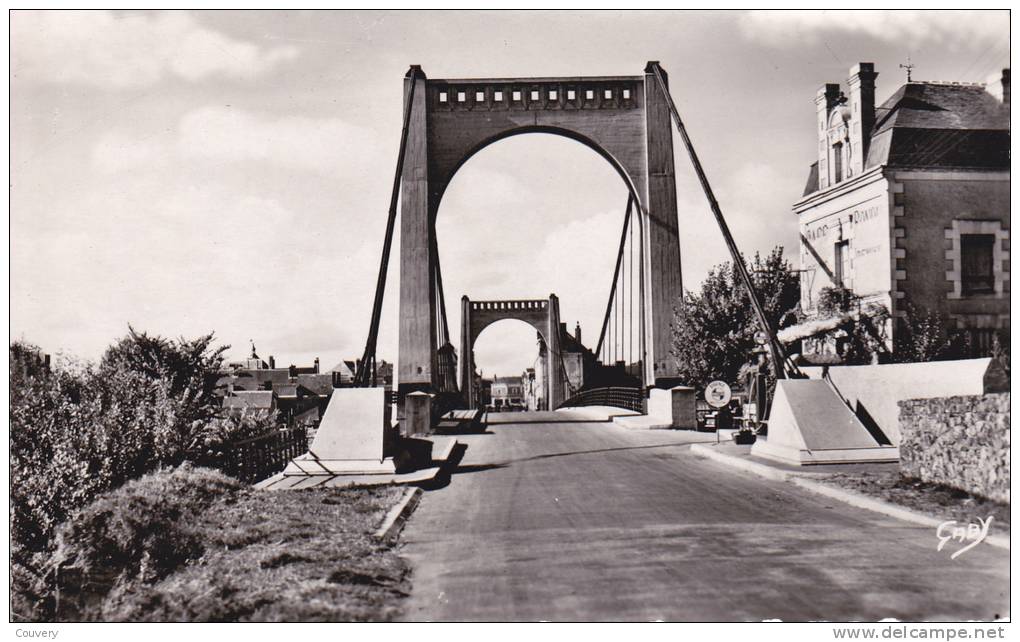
(837,163)
(839,139)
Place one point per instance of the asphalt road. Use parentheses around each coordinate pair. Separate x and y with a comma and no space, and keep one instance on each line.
(548,519)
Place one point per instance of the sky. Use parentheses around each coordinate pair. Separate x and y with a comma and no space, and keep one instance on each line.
(230,172)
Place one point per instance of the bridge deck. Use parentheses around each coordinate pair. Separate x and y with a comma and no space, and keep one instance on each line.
(552,516)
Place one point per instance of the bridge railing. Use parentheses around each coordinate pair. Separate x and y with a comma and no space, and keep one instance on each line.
(616,396)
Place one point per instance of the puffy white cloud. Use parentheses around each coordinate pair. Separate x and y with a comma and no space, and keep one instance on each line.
(117,152)
(104,49)
(226,135)
(756,200)
(913,27)
(179,261)
(315,144)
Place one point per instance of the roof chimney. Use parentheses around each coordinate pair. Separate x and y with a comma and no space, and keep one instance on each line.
(826,99)
(272,362)
(862,113)
(577,332)
(316,365)
(998,86)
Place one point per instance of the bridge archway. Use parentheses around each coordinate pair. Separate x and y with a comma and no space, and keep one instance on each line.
(624,118)
(541,314)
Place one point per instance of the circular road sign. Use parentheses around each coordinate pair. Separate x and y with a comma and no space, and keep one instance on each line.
(761,338)
(718,394)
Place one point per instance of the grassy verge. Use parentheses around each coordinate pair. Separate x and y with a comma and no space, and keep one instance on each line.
(194,545)
(935,500)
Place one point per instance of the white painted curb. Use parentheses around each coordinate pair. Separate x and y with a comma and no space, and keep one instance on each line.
(398,515)
(850,497)
(747,466)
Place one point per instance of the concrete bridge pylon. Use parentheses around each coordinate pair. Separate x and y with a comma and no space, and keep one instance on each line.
(625,119)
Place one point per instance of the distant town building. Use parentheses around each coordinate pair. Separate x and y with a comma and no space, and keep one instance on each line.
(507,393)
(240,400)
(343,373)
(299,393)
(908,203)
(577,363)
(27,360)
(532,391)
(484,388)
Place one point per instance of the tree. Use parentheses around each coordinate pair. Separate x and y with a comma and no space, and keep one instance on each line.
(925,335)
(713,330)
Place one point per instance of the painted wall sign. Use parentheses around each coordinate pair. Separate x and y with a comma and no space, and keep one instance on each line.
(855,217)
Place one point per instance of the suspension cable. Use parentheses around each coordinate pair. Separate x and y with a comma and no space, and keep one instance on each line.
(620,309)
(630,358)
(367,364)
(445,334)
(616,274)
(778,356)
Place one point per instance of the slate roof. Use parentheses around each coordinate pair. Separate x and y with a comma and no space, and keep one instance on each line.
(812,179)
(937,125)
(258,399)
(927,105)
(941,125)
(320,384)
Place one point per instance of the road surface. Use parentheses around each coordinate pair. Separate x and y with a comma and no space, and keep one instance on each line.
(552,517)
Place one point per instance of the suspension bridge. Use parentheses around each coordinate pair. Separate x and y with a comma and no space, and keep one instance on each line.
(629,121)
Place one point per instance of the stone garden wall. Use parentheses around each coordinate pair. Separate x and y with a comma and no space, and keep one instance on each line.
(961,442)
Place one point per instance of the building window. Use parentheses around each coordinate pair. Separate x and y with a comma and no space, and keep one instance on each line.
(976,260)
(842,263)
(837,162)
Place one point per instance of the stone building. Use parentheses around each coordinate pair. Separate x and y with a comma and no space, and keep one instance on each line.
(908,203)
(507,393)
(576,361)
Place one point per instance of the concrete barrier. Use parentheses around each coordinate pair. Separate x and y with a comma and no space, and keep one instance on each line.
(810,424)
(672,408)
(874,392)
(349,440)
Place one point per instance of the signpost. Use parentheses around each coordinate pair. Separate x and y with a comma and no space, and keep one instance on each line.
(718,394)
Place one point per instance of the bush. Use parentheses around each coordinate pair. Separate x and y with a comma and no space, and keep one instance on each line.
(835,300)
(924,335)
(83,429)
(136,534)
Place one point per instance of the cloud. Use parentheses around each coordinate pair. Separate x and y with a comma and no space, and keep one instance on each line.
(120,51)
(175,261)
(118,152)
(316,144)
(228,135)
(795,28)
(756,201)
